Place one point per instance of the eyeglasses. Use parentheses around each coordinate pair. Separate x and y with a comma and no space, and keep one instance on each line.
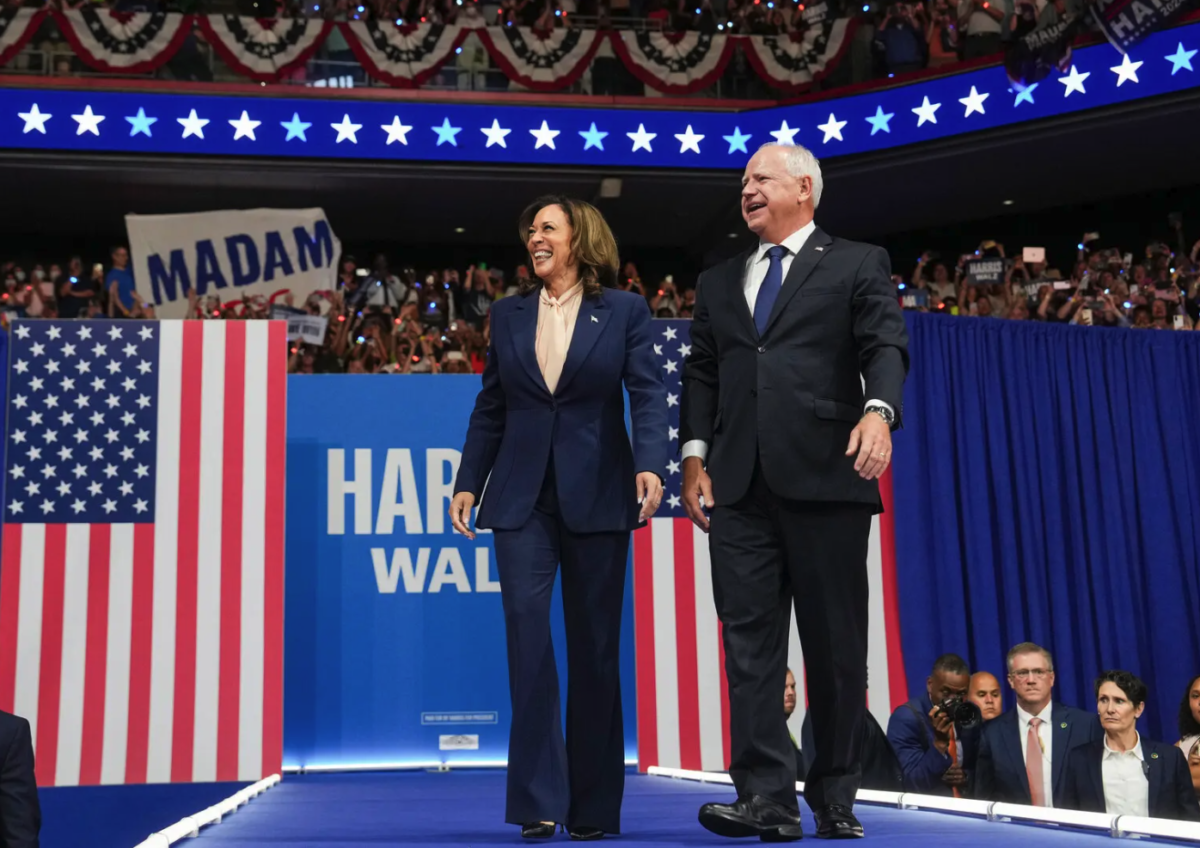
(1024,673)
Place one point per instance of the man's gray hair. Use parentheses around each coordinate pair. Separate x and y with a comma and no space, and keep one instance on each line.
(801,163)
(1029,648)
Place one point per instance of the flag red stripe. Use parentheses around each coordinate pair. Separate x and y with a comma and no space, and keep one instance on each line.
(725,746)
(50,680)
(184,717)
(10,596)
(273,539)
(897,680)
(141,635)
(687,669)
(96,654)
(643,620)
(231,551)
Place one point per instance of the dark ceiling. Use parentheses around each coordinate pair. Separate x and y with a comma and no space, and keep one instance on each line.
(1135,148)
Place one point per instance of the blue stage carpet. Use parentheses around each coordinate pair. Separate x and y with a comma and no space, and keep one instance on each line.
(467,808)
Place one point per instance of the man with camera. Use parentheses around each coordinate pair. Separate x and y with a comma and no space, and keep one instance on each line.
(936,738)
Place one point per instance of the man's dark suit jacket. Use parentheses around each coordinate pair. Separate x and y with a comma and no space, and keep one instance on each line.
(20,815)
(1172,795)
(910,732)
(794,394)
(1000,773)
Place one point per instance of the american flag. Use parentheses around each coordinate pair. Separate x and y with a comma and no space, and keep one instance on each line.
(682,694)
(141,576)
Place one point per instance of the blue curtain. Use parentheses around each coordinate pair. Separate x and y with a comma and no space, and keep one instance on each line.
(1047,488)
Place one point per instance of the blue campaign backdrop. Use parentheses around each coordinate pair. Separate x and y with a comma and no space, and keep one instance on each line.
(394,633)
(1046,489)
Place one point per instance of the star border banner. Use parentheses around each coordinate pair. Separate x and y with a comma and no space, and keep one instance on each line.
(143,123)
(403,56)
(123,43)
(264,50)
(542,61)
(793,64)
(678,64)
(17,27)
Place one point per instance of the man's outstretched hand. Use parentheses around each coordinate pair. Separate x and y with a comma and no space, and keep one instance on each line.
(696,485)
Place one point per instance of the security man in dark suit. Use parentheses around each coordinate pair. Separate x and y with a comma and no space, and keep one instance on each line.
(20,814)
(782,448)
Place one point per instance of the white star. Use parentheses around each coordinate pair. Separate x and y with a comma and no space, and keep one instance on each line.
(396,131)
(192,125)
(64,452)
(1074,81)
(35,120)
(111,436)
(672,433)
(737,141)
(110,471)
(81,401)
(34,488)
(671,366)
(1180,59)
(47,505)
(113,401)
(295,127)
(143,436)
(672,467)
(244,127)
(346,130)
(78,506)
(641,139)
(20,401)
(127,418)
(52,401)
(63,488)
(51,367)
(658,350)
(79,470)
(97,383)
(1127,70)
(145,334)
(140,123)
(832,128)
(88,122)
(37,348)
(17,471)
(689,140)
(669,333)
(22,366)
(94,488)
(81,435)
(22,331)
(144,367)
(143,401)
(141,470)
(128,383)
(15,507)
(130,349)
(110,506)
(114,333)
(34,453)
(545,136)
(785,134)
(84,366)
(51,436)
(672,400)
(49,471)
(113,366)
(685,350)
(68,384)
(447,133)
(495,134)
(673,501)
(126,488)
(97,419)
(926,112)
(127,451)
(84,333)
(35,419)
(53,333)
(140,505)
(974,102)
(96,452)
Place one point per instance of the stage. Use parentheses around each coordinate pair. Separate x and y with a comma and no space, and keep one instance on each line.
(463,808)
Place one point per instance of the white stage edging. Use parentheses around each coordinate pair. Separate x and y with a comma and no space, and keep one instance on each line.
(190,826)
(1116,826)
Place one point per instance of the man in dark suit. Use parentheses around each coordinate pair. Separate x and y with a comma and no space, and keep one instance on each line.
(1125,774)
(781,451)
(20,815)
(1023,754)
(937,752)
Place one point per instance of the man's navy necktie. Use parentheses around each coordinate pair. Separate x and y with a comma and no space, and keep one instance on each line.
(769,290)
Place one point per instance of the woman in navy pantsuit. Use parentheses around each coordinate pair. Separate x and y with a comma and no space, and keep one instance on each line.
(566,487)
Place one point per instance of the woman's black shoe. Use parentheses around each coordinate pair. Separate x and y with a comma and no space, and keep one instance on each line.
(538,830)
(585,833)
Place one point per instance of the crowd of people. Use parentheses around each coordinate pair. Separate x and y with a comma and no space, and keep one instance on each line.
(383,320)
(958,740)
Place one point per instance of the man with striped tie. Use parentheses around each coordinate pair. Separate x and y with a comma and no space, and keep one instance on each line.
(792,387)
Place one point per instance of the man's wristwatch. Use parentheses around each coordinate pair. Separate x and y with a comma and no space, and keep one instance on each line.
(883,412)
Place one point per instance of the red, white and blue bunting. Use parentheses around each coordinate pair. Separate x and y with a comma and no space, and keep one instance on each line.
(17,26)
(403,56)
(264,50)
(123,42)
(674,63)
(409,56)
(793,62)
(541,61)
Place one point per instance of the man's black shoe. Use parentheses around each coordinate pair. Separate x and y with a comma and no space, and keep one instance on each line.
(837,822)
(754,816)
